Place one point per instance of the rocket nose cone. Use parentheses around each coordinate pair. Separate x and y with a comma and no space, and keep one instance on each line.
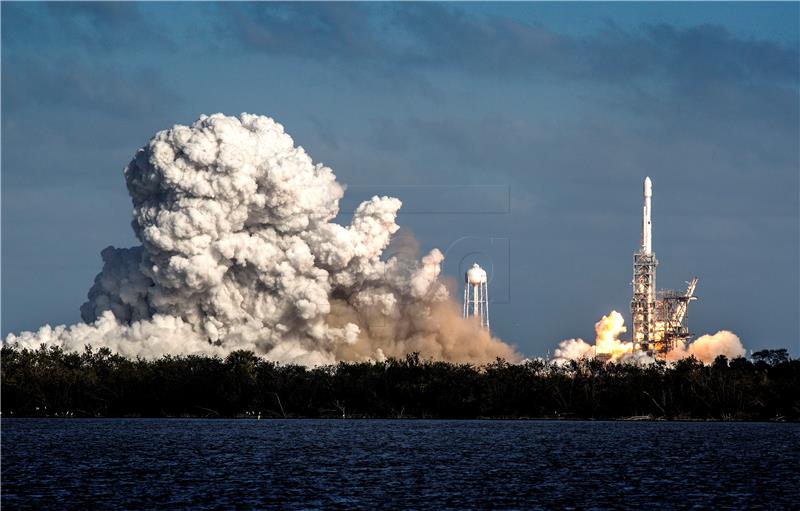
(648,187)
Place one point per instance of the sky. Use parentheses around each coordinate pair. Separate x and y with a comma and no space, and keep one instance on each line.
(517,135)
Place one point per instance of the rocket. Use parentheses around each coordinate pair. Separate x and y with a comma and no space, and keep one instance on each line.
(647,228)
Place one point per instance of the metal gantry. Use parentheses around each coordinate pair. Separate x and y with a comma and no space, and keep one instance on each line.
(671,309)
(643,303)
(658,319)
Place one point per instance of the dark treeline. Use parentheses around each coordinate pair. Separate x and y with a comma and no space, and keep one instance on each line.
(50,382)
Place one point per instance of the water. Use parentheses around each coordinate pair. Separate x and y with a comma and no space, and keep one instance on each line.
(301,464)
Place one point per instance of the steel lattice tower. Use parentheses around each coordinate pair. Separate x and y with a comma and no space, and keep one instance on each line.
(643,304)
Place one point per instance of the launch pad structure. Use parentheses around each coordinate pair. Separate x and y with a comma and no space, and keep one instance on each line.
(658,318)
(643,303)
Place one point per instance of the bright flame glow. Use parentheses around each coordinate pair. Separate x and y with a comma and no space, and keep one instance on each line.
(608,330)
(608,345)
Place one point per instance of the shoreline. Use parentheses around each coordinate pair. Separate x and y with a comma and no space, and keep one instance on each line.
(406,419)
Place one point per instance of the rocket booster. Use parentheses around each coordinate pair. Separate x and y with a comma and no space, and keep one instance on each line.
(647,228)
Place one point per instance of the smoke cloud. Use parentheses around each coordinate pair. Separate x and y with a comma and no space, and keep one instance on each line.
(708,347)
(607,343)
(239,251)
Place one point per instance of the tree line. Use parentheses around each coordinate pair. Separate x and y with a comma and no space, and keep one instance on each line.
(49,382)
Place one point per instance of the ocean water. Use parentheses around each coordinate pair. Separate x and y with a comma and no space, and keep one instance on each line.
(397,464)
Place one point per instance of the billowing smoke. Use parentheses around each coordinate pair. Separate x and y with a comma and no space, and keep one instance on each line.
(239,251)
(608,345)
(607,342)
(708,347)
(608,330)
(573,349)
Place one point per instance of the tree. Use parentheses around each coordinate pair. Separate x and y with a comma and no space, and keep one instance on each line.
(771,357)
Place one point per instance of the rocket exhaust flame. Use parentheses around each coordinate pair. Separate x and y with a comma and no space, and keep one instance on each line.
(239,251)
(609,346)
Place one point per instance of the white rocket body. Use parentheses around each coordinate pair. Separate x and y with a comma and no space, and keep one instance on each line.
(647,228)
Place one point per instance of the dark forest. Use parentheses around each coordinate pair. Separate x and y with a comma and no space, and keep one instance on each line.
(96,383)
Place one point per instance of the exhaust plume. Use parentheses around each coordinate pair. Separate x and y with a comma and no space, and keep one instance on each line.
(708,347)
(608,330)
(239,251)
(607,342)
(608,345)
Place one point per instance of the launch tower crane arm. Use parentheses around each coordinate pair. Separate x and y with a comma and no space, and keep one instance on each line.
(680,313)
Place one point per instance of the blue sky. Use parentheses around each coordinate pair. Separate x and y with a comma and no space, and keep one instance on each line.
(516,134)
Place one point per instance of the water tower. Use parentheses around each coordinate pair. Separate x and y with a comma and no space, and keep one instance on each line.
(476,295)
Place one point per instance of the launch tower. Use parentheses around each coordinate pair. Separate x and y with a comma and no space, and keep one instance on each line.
(659,320)
(476,295)
(643,304)
(671,307)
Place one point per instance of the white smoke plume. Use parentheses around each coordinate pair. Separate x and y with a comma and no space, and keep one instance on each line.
(573,349)
(607,343)
(239,251)
(708,347)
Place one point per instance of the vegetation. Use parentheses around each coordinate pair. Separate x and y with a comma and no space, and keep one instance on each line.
(50,382)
